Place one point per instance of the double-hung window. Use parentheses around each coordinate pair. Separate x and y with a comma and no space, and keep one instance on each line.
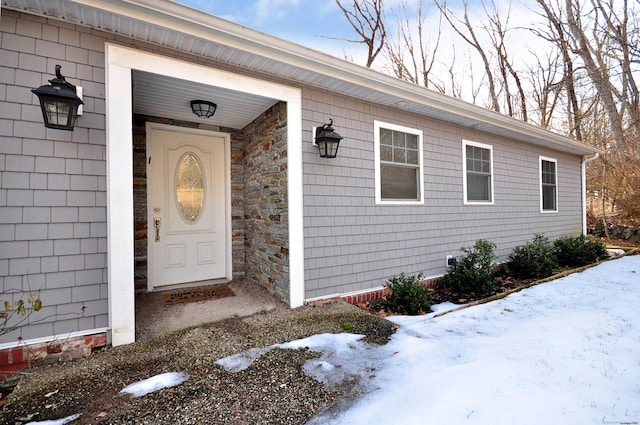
(478,172)
(398,155)
(548,185)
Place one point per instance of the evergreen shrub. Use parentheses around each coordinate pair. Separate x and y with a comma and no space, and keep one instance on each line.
(473,272)
(578,251)
(407,295)
(535,259)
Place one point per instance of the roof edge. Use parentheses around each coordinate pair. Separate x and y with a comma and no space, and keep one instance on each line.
(204,25)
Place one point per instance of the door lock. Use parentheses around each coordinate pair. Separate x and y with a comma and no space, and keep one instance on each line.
(156,224)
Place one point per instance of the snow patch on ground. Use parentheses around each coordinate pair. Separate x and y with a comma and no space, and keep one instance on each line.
(241,361)
(343,358)
(615,252)
(57,421)
(155,383)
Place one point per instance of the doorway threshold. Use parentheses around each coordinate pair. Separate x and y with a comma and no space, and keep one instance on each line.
(189,285)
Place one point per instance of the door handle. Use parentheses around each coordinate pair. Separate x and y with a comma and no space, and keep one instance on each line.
(156,224)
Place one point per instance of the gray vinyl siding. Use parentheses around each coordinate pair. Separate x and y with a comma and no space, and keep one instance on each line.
(352,244)
(52,182)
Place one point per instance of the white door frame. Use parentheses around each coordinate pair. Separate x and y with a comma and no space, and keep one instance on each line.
(119,63)
(227,194)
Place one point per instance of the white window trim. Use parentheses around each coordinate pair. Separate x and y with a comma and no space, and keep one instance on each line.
(464,172)
(377,125)
(555,161)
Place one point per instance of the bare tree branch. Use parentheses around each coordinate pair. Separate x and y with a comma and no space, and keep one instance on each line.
(464,28)
(418,63)
(367,19)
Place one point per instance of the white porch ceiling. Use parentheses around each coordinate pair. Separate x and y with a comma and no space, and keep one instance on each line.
(162,96)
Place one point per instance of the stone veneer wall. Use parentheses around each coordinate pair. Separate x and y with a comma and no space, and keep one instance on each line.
(265,202)
(140,194)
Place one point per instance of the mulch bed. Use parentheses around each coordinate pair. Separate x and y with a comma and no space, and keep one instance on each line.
(197,294)
(505,284)
(438,295)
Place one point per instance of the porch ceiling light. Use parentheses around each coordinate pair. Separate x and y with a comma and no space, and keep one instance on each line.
(59,102)
(203,108)
(327,140)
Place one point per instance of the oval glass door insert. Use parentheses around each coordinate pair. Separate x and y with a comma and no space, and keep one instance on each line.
(190,187)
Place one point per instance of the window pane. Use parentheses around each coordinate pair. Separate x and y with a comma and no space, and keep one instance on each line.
(478,159)
(412,141)
(484,154)
(398,139)
(399,182)
(399,155)
(549,198)
(412,157)
(548,172)
(386,153)
(469,152)
(478,187)
(485,166)
(189,187)
(385,137)
(470,164)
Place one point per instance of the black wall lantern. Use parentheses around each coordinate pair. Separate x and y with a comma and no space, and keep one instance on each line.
(203,108)
(327,140)
(59,102)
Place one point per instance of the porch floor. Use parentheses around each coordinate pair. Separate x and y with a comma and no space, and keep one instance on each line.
(154,318)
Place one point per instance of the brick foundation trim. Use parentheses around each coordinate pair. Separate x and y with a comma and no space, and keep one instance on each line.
(18,358)
(364,297)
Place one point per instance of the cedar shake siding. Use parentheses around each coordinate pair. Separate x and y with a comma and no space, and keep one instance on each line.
(352,244)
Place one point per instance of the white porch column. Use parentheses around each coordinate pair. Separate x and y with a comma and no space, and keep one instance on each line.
(296,212)
(122,319)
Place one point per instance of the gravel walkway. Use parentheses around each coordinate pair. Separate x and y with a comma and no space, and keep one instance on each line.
(274,390)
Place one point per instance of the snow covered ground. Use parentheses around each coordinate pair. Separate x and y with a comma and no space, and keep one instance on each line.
(565,352)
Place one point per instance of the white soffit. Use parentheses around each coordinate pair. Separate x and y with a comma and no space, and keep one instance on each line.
(162,96)
(185,29)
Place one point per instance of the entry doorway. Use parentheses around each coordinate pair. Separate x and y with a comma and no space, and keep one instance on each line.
(188,208)
(121,65)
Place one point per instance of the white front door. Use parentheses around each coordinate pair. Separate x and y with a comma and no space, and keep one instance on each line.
(186,206)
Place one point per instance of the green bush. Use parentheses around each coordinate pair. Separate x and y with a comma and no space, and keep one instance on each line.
(577,251)
(407,295)
(536,259)
(473,272)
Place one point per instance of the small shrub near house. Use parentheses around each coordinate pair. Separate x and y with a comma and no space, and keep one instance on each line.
(473,272)
(578,251)
(535,259)
(407,295)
